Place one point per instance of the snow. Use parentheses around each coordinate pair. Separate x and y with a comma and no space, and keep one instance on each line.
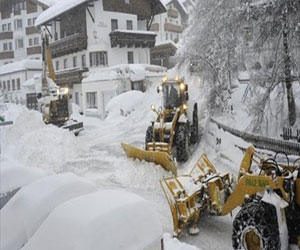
(56,10)
(174,244)
(136,32)
(130,224)
(134,72)
(15,177)
(26,64)
(25,212)
(35,84)
(160,43)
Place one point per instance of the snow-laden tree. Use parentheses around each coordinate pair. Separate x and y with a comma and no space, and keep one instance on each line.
(211,45)
(275,30)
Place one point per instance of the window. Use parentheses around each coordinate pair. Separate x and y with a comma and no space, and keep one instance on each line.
(77,98)
(4,85)
(98,58)
(18,24)
(33,20)
(75,61)
(171,36)
(30,41)
(130,57)
(0,85)
(65,63)
(19,44)
(13,83)
(18,84)
(8,85)
(5,48)
(114,24)
(9,27)
(36,41)
(167,37)
(83,61)
(129,25)
(91,100)
(10,46)
(4,27)
(57,65)
(29,22)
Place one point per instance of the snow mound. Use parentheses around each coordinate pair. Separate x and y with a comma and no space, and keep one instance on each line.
(25,212)
(12,178)
(174,244)
(130,224)
(36,144)
(124,104)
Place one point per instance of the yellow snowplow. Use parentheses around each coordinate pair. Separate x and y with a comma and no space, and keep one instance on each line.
(267,191)
(172,132)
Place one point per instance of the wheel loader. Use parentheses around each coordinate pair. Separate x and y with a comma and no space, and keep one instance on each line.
(55,105)
(267,191)
(170,135)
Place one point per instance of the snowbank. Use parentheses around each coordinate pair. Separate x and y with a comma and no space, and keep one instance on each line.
(104,220)
(174,244)
(12,178)
(26,211)
(35,144)
(124,104)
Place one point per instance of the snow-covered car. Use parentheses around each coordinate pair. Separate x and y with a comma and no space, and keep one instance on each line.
(29,207)
(106,220)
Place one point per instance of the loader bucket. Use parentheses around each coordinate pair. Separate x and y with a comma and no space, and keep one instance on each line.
(160,158)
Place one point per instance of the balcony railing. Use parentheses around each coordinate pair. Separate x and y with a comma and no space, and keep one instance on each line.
(68,45)
(34,50)
(69,77)
(31,30)
(173,27)
(137,39)
(7,55)
(6,35)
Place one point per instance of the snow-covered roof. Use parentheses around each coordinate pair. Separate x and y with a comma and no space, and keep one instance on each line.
(57,9)
(145,32)
(27,64)
(35,84)
(61,7)
(166,43)
(133,72)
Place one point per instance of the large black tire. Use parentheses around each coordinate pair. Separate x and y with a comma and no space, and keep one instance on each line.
(195,127)
(256,227)
(182,143)
(149,135)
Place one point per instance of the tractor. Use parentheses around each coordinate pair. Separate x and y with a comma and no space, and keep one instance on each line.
(173,131)
(267,190)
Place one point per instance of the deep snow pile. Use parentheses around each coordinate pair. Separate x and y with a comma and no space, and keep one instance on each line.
(130,224)
(25,212)
(34,144)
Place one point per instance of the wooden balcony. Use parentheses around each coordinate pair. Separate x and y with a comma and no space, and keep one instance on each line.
(129,39)
(69,77)
(34,50)
(31,30)
(7,55)
(173,28)
(172,13)
(6,35)
(68,45)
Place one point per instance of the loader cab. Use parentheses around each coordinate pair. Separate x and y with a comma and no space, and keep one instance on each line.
(174,93)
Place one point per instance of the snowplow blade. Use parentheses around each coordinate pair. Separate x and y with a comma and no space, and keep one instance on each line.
(160,158)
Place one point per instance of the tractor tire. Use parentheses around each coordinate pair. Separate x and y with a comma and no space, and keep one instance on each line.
(195,127)
(182,143)
(256,227)
(149,135)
